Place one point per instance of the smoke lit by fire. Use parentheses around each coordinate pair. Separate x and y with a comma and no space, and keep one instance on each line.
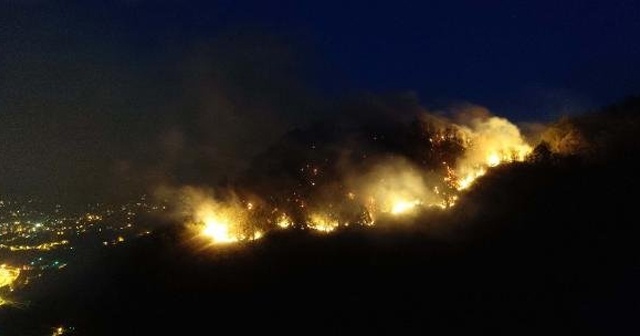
(489,142)
(387,188)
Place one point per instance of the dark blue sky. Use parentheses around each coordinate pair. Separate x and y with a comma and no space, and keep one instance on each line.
(81,82)
(517,57)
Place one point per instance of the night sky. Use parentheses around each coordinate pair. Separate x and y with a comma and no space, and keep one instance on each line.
(93,92)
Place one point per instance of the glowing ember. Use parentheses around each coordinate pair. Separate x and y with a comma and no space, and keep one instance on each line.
(367,218)
(284,221)
(58,331)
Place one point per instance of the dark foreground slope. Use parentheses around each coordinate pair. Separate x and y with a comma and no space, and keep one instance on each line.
(550,246)
(562,255)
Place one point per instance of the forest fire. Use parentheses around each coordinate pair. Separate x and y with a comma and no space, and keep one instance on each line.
(392,187)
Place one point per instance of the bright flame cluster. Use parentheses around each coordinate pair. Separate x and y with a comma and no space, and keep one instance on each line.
(323,222)
(225,223)
(8,276)
(400,207)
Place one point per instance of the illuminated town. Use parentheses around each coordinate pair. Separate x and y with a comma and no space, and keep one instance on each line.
(37,240)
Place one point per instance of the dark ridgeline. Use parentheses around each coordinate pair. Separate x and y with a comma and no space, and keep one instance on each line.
(549,245)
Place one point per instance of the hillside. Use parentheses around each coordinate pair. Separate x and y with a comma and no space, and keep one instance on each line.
(548,244)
